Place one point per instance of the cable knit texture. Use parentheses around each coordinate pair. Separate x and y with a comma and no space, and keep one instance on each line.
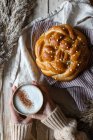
(64,129)
(57,120)
(21,131)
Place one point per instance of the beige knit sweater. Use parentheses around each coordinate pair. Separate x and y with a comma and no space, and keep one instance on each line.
(64,129)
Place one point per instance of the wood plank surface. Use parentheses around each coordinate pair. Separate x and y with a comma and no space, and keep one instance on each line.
(53,4)
(42,8)
(6,96)
(1,103)
(91,2)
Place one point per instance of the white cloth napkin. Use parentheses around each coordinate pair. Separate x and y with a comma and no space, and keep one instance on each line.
(77,13)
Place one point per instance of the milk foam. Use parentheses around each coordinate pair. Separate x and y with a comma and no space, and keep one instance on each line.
(34,95)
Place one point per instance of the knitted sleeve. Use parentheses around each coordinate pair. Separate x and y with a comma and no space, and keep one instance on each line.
(21,131)
(64,129)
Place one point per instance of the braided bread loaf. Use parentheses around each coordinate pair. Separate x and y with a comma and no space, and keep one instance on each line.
(62,52)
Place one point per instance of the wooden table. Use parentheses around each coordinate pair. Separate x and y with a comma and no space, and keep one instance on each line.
(91,2)
(43,8)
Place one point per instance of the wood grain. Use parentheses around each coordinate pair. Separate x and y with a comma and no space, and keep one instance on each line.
(41,9)
(6,113)
(42,131)
(53,4)
(1,103)
(91,1)
(1,116)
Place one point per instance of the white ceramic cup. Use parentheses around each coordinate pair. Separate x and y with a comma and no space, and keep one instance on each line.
(34,95)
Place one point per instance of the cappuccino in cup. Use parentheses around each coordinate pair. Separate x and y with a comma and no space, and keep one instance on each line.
(27,99)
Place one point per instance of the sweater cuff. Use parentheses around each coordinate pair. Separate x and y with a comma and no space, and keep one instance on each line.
(56,120)
(21,131)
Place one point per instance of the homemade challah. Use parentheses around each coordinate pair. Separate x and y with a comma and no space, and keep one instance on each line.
(62,52)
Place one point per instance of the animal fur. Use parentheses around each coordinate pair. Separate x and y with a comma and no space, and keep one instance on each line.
(14,15)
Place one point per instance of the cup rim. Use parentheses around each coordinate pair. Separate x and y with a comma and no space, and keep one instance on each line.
(24,84)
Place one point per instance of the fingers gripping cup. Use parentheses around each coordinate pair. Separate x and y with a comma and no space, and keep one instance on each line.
(27,99)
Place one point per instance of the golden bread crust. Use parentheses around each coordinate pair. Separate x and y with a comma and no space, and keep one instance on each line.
(62,52)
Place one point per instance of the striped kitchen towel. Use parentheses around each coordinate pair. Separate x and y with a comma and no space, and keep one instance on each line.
(81,88)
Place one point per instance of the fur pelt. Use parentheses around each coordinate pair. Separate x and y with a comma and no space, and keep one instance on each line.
(14,15)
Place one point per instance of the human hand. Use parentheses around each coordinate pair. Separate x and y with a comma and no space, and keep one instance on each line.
(16,117)
(48,105)
(47,108)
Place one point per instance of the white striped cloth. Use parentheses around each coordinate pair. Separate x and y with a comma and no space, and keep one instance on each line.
(81,88)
